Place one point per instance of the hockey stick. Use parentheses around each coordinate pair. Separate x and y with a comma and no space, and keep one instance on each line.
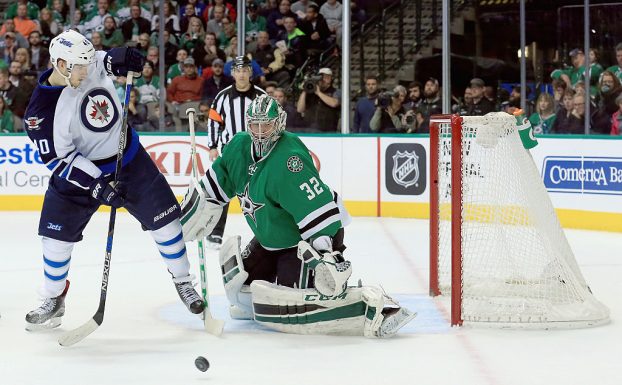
(74,336)
(212,325)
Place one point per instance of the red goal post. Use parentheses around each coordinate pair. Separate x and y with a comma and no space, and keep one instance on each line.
(496,245)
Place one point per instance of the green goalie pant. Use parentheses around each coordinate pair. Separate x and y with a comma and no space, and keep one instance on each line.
(357,311)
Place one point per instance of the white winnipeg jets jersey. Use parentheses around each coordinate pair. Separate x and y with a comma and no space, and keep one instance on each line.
(77,129)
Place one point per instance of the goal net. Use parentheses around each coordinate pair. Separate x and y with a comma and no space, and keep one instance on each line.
(496,245)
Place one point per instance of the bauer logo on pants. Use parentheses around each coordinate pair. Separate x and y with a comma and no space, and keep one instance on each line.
(405,172)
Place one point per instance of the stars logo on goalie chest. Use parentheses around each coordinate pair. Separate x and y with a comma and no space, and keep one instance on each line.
(249,207)
(98,111)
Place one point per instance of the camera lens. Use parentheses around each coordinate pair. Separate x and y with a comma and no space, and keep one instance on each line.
(309,86)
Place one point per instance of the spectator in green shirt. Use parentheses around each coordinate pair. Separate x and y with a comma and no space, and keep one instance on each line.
(177,68)
(32,10)
(617,69)
(254,22)
(542,120)
(576,73)
(112,36)
(6,117)
(148,85)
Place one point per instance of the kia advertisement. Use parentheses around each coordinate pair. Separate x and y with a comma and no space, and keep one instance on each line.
(172,157)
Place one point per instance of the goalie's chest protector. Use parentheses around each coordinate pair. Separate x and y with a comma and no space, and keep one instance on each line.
(272,192)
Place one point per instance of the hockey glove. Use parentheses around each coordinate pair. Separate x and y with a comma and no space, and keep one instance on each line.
(103,190)
(331,269)
(198,215)
(120,61)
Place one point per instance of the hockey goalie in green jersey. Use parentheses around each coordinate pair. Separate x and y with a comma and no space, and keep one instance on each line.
(292,276)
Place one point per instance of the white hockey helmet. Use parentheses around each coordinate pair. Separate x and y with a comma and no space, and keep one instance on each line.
(72,47)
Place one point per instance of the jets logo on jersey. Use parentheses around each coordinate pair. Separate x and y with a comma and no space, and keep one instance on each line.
(249,208)
(98,110)
(294,164)
(32,123)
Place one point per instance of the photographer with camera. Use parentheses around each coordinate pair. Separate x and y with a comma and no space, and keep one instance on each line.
(319,103)
(390,116)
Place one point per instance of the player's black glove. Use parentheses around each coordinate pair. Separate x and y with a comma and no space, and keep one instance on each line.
(119,61)
(103,190)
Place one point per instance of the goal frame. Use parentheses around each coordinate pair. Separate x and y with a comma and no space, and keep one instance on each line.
(567,304)
(456,208)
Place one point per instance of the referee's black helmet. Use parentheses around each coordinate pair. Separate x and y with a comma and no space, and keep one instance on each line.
(241,61)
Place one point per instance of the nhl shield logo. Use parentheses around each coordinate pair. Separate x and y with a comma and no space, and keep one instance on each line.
(98,111)
(405,168)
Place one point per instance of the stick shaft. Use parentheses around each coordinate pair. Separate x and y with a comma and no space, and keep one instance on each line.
(82,332)
(212,325)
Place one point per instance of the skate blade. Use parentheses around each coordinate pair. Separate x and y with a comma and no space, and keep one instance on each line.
(51,324)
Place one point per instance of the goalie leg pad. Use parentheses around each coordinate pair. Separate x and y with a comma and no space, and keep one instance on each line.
(198,215)
(233,277)
(357,311)
(305,311)
(331,270)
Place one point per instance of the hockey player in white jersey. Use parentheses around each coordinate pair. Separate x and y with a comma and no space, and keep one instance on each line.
(74,118)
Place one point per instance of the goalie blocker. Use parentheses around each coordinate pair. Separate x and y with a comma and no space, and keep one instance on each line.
(339,310)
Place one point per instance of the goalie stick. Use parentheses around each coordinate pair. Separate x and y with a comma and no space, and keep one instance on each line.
(74,336)
(212,325)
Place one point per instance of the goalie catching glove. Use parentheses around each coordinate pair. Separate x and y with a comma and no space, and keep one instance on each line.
(199,214)
(331,269)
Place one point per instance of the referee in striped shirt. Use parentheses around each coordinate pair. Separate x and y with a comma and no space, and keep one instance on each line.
(226,118)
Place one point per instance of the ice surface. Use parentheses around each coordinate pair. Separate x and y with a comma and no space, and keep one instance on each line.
(148,337)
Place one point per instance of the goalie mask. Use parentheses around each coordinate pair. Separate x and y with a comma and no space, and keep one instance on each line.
(265,121)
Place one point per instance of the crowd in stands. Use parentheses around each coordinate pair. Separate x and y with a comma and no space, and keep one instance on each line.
(561,111)
(200,41)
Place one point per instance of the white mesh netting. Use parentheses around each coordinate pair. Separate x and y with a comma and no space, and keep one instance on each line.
(518,269)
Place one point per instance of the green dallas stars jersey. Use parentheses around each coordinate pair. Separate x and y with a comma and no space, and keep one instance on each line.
(282,196)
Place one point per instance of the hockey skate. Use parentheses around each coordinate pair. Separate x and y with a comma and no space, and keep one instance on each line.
(189,296)
(394,319)
(49,314)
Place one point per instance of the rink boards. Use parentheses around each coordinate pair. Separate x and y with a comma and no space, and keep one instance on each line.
(375,175)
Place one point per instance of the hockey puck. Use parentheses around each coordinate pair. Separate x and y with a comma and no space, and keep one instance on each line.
(201,363)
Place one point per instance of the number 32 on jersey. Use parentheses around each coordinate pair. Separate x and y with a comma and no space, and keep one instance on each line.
(312,188)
